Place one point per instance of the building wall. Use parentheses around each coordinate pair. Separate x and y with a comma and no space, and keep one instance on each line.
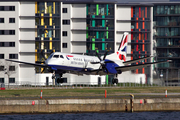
(9,38)
(78,40)
(67,27)
(27,40)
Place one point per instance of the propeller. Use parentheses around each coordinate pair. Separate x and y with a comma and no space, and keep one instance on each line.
(102,62)
(43,56)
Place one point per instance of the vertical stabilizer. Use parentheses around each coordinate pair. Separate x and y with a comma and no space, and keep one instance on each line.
(122,50)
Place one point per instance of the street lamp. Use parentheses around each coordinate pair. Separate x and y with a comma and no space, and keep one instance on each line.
(5,73)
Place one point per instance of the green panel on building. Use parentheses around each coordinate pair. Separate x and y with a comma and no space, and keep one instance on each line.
(97,9)
(93,44)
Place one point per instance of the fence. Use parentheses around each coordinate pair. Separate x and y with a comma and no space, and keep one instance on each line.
(29,85)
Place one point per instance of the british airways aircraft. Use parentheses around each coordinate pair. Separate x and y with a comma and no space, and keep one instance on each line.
(112,64)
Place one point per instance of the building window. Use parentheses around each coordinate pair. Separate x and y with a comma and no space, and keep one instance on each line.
(1,20)
(64,33)
(11,80)
(1,8)
(11,8)
(11,32)
(11,68)
(1,32)
(1,56)
(11,44)
(1,44)
(13,56)
(66,22)
(64,10)
(1,80)
(1,68)
(11,20)
(64,45)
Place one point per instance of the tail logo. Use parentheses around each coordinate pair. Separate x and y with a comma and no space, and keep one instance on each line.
(122,49)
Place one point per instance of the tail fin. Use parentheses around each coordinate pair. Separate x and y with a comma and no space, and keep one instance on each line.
(122,50)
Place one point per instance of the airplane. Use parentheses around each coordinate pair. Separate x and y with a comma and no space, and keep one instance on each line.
(112,64)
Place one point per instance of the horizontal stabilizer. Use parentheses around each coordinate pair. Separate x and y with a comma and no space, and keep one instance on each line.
(136,60)
(138,66)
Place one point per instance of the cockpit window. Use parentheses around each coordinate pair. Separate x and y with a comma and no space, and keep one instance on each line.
(56,56)
(61,56)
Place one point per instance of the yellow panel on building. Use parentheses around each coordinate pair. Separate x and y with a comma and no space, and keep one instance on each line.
(50,43)
(42,19)
(35,54)
(50,20)
(53,7)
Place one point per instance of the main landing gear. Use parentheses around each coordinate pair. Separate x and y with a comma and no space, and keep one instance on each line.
(115,80)
(60,79)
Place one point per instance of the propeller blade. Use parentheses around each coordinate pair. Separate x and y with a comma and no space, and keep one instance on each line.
(42,54)
(94,62)
(98,56)
(105,55)
(43,70)
(86,63)
(51,52)
(106,70)
(109,62)
(98,70)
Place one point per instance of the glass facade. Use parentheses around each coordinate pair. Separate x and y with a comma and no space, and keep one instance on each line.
(166,24)
(140,36)
(47,33)
(100,28)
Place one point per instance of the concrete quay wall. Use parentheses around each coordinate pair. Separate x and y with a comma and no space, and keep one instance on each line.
(88,105)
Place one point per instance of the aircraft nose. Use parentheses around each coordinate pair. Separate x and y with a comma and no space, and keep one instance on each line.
(46,62)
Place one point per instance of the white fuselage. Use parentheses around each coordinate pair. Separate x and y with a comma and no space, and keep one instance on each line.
(75,62)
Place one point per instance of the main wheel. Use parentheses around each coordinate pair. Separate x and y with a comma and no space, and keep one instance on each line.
(116,81)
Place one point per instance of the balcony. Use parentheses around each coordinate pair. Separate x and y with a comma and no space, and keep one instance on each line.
(139,42)
(48,27)
(174,55)
(100,28)
(168,65)
(100,40)
(140,53)
(47,15)
(100,16)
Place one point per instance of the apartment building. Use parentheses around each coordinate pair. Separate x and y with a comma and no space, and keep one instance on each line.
(83,27)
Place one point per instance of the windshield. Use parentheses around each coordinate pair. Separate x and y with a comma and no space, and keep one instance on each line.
(56,56)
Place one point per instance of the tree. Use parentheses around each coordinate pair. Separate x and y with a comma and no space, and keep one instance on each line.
(8,68)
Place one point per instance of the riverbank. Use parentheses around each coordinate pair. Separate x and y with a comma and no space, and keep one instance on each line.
(88,105)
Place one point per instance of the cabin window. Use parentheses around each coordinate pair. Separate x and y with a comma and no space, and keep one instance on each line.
(61,56)
(56,56)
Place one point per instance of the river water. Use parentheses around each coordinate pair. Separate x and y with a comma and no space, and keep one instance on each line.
(96,116)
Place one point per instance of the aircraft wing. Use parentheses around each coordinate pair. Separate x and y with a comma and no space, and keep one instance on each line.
(33,64)
(133,61)
(133,67)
